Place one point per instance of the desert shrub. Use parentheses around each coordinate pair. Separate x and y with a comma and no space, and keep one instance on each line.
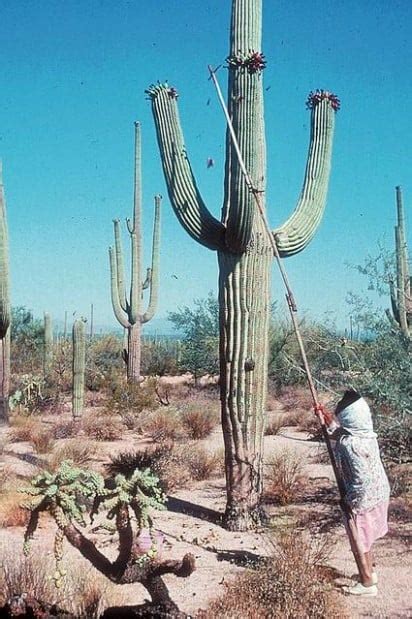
(42,439)
(400,480)
(160,357)
(283,477)
(275,424)
(65,428)
(200,328)
(164,425)
(22,428)
(11,512)
(26,343)
(104,360)
(201,463)
(79,451)
(102,427)
(130,400)
(293,583)
(7,477)
(199,419)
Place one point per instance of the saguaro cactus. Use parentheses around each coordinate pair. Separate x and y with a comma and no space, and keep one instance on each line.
(401,299)
(48,342)
(79,367)
(5,312)
(243,247)
(128,310)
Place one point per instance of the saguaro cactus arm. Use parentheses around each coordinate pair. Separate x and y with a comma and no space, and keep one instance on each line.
(4,263)
(114,289)
(181,185)
(154,271)
(295,234)
(119,264)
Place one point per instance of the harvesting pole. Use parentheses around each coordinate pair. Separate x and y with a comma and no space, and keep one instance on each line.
(242,243)
(128,309)
(401,298)
(5,310)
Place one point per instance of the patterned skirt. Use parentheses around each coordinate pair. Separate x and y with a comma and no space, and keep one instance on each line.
(372,524)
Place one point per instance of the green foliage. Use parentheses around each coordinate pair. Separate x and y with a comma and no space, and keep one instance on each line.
(160,357)
(27,336)
(103,360)
(200,328)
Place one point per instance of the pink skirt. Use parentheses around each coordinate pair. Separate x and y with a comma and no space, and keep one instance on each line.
(371,525)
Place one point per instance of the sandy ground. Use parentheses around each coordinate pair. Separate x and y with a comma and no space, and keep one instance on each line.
(190,525)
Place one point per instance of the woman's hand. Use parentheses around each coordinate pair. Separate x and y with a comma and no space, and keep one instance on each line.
(324,415)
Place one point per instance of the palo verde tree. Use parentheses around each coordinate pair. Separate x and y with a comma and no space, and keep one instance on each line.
(128,310)
(401,299)
(5,310)
(242,243)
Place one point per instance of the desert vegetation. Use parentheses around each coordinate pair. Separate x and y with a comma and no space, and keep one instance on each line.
(187,475)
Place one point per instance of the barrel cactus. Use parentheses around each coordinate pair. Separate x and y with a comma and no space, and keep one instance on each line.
(79,367)
(243,246)
(400,289)
(128,310)
(5,310)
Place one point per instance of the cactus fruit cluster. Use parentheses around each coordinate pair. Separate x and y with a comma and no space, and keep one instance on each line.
(65,493)
(128,309)
(400,289)
(5,310)
(79,367)
(241,241)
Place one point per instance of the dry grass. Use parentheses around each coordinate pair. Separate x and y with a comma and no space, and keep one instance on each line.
(199,420)
(65,428)
(22,428)
(83,593)
(11,512)
(400,479)
(201,463)
(80,451)
(284,476)
(164,425)
(102,427)
(275,424)
(42,440)
(292,583)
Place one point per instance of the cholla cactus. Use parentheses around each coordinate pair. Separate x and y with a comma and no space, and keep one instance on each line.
(128,310)
(240,238)
(401,298)
(64,495)
(5,310)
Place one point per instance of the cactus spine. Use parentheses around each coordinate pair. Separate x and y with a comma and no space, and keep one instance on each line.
(48,342)
(243,247)
(128,310)
(401,299)
(5,311)
(79,367)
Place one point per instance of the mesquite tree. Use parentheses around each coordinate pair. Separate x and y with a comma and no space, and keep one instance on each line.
(5,311)
(401,299)
(242,243)
(128,310)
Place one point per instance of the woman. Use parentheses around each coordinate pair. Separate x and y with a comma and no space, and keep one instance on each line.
(365,481)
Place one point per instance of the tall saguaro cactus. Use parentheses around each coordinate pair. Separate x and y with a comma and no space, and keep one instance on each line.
(401,298)
(242,244)
(79,368)
(5,311)
(128,310)
(48,342)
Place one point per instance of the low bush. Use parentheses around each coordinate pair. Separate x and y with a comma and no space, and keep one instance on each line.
(293,583)
(102,427)
(164,424)
(283,477)
(275,424)
(11,512)
(203,464)
(65,428)
(80,451)
(42,440)
(199,421)
(22,428)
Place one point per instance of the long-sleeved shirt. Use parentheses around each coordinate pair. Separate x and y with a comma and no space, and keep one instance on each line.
(364,477)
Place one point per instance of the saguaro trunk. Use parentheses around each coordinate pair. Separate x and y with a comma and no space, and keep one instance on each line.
(128,310)
(5,311)
(243,245)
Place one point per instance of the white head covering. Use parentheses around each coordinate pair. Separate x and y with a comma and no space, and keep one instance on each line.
(357,419)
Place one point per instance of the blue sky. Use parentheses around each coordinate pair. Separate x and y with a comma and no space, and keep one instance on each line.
(72,83)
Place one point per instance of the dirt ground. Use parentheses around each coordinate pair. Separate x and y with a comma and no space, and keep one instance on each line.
(191,524)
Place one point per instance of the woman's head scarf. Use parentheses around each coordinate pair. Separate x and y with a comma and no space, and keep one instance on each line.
(357,419)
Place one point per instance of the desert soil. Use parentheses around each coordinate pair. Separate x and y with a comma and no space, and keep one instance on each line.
(191,525)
